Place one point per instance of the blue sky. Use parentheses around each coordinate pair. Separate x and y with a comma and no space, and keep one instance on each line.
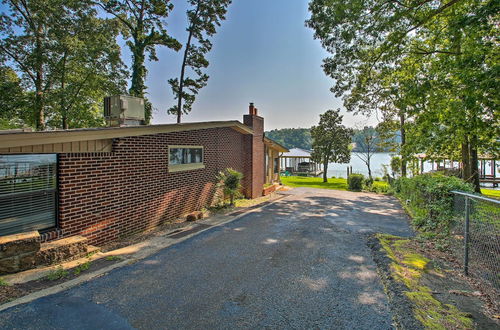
(262,53)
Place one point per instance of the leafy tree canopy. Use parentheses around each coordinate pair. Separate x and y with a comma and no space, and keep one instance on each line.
(331,141)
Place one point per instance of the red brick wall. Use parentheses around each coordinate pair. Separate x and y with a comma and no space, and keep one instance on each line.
(105,196)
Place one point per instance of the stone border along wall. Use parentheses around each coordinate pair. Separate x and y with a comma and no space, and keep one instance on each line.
(18,252)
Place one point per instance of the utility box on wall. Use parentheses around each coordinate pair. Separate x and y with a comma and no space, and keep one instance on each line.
(124,110)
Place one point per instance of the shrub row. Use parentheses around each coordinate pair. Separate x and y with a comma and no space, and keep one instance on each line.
(429,200)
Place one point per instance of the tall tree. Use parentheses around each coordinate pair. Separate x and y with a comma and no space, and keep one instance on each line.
(367,143)
(86,67)
(448,45)
(25,44)
(331,141)
(65,55)
(144,28)
(204,17)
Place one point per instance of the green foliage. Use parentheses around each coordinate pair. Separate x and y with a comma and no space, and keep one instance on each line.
(204,17)
(331,141)
(355,182)
(428,199)
(113,258)
(429,69)
(395,165)
(80,268)
(67,59)
(292,137)
(13,100)
(379,187)
(57,274)
(230,182)
(3,282)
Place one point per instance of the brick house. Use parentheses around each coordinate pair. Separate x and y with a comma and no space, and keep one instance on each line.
(107,183)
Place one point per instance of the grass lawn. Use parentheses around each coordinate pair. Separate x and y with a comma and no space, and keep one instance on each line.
(336,184)
(302,181)
(491,193)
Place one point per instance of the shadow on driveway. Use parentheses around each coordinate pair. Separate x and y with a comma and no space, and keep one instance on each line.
(301,262)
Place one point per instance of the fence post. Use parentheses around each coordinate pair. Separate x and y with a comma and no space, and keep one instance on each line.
(466,236)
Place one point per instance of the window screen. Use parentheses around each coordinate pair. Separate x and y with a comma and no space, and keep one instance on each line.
(28,187)
(186,155)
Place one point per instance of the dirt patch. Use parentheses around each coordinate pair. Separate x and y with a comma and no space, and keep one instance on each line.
(58,276)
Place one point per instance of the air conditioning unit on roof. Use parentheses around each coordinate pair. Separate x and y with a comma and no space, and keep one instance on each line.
(124,110)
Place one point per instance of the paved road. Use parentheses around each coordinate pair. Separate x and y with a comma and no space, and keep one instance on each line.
(301,262)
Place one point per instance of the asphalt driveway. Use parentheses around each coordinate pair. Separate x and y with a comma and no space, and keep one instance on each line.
(301,262)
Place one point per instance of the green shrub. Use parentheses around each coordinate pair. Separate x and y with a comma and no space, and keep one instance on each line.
(355,182)
(230,182)
(379,187)
(429,200)
(377,179)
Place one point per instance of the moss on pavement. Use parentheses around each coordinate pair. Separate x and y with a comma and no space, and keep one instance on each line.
(408,267)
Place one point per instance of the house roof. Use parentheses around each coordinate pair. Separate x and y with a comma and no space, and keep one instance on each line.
(13,139)
(298,152)
(275,145)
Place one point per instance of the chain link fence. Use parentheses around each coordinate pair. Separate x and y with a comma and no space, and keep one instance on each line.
(476,236)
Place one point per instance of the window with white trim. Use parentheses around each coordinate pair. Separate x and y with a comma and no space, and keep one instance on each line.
(184,158)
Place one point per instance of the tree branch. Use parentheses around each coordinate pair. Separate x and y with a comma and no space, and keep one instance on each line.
(78,91)
(18,61)
(26,14)
(436,12)
(114,14)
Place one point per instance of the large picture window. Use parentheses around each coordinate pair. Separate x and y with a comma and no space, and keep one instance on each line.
(28,192)
(183,158)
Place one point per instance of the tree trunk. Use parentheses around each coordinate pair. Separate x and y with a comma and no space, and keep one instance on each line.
(183,67)
(181,79)
(369,171)
(137,85)
(64,114)
(325,170)
(403,142)
(39,97)
(474,159)
(466,168)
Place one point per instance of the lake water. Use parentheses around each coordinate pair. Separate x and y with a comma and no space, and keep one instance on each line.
(379,159)
(358,166)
